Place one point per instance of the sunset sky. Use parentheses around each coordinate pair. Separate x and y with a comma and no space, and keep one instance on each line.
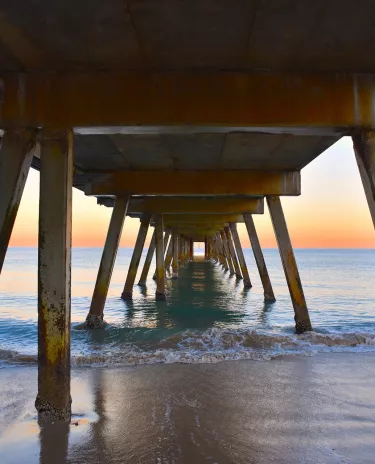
(332,211)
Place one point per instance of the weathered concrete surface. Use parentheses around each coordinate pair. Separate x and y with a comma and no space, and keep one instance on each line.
(136,257)
(95,316)
(167,234)
(241,257)
(147,263)
(169,254)
(232,252)
(175,264)
(160,269)
(364,148)
(54,275)
(257,99)
(301,313)
(226,251)
(228,182)
(16,154)
(259,259)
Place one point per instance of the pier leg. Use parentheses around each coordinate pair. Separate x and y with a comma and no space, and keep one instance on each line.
(364,149)
(160,269)
(301,313)
(191,249)
(127,293)
(94,319)
(16,154)
(223,259)
(233,253)
(226,251)
(259,259)
(53,402)
(205,249)
(148,260)
(169,254)
(167,234)
(241,257)
(175,256)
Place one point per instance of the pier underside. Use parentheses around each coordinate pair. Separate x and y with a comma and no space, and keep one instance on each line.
(187,115)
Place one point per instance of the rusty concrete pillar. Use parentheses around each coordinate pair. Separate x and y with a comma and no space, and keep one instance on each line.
(175,263)
(233,253)
(241,257)
(364,149)
(148,260)
(16,154)
(205,249)
(191,250)
(95,317)
(223,259)
(301,313)
(259,259)
(169,254)
(53,402)
(167,234)
(160,269)
(127,293)
(227,252)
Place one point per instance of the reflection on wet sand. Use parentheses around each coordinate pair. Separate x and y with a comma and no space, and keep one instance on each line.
(290,410)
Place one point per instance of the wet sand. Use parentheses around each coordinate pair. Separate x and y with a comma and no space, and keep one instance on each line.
(293,409)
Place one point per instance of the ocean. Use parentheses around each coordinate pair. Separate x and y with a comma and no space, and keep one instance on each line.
(208,315)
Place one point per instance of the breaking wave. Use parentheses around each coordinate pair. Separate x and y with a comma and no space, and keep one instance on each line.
(212,346)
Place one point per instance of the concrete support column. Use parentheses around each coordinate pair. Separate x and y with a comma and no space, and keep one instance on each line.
(191,250)
(175,256)
(227,252)
(16,154)
(233,253)
(127,293)
(167,234)
(160,269)
(53,402)
(95,317)
(241,257)
(259,259)
(223,259)
(205,249)
(301,313)
(364,149)
(148,260)
(169,254)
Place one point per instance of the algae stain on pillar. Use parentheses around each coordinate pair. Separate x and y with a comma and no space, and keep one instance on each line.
(54,276)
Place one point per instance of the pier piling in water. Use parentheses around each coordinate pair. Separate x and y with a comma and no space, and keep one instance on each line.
(301,313)
(148,260)
(241,257)
(160,269)
(95,317)
(232,252)
(127,293)
(259,259)
(54,276)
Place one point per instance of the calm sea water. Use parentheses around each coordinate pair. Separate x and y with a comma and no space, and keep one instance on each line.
(208,315)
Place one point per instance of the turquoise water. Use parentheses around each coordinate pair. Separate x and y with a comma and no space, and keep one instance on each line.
(208,315)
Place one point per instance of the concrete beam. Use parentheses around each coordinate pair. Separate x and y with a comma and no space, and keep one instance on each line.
(201,218)
(246,182)
(127,293)
(262,100)
(54,275)
(198,205)
(16,154)
(364,149)
(95,317)
(259,259)
(301,313)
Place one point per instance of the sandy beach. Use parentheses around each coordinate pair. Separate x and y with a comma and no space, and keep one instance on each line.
(292,409)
